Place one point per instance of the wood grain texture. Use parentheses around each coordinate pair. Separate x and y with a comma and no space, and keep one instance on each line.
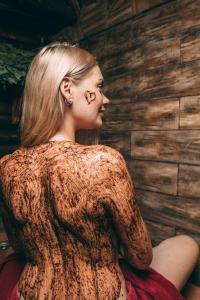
(142,5)
(155,114)
(97,45)
(189,182)
(95,11)
(168,20)
(181,146)
(141,55)
(189,12)
(190,43)
(190,112)
(117,117)
(174,80)
(155,176)
(159,232)
(119,10)
(100,15)
(118,39)
(170,210)
(119,89)
(118,63)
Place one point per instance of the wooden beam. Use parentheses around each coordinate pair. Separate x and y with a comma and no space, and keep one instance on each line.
(155,114)
(189,182)
(170,210)
(189,112)
(159,232)
(117,117)
(155,176)
(180,146)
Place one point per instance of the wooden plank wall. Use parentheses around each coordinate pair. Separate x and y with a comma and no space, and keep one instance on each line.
(149,54)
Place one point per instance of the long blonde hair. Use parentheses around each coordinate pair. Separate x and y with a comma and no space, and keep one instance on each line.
(43,107)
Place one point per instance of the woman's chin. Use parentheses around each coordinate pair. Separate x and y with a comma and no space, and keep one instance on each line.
(99,124)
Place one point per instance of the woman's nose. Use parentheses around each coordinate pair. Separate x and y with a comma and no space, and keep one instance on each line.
(105,99)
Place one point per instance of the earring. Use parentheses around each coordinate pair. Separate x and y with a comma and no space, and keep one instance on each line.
(69,101)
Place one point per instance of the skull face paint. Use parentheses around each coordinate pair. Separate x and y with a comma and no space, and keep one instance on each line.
(89,96)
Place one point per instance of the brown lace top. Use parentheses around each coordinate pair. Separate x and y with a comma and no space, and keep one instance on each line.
(69,208)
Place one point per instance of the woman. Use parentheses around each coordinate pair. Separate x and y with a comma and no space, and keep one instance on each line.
(70,208)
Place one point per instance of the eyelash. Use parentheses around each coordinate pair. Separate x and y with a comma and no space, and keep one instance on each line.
(100,87)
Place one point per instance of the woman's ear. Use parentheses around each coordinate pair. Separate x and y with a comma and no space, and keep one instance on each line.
(66,87)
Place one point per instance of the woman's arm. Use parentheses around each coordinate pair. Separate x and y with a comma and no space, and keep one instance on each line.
(9,222)
(120,204)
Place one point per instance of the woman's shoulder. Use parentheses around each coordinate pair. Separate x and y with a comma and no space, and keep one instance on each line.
(109,152)
(4,160)
(106,155)
(12,162)
(10,156)
(4,168)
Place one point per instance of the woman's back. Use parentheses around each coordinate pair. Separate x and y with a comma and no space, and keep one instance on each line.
(58,196)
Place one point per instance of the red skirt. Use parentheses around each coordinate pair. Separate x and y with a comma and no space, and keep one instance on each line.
(141,285)
(148,284)
(10,272)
